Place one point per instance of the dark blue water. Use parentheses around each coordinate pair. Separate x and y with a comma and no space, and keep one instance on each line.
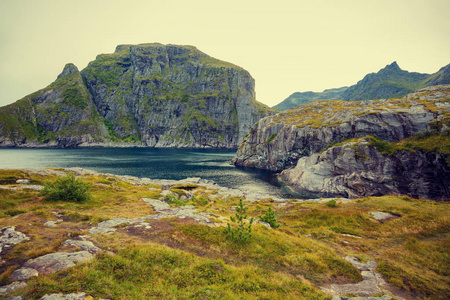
(151,163)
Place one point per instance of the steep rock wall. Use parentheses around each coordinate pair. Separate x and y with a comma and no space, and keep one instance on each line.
(173,96)
(277,142)
(307,143)
(357,170)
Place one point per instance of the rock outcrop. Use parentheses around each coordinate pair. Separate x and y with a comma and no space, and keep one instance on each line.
(353,149)
(148,95)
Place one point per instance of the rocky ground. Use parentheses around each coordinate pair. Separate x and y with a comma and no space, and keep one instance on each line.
(81,248)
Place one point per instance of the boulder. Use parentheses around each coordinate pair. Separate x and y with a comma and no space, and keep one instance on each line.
(5,290)
(10,237)
(54,262)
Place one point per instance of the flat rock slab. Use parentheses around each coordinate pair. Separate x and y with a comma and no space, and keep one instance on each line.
(157,204)
(109,226)
(385,297)
(368,266)
(50,224)
(5,290)
(23,181)
(54,262)
(182,212)
(83,245)
(29,187)
(73,296)
(10,237)
(383,216)
(24,274)
(163,210)
(370,285)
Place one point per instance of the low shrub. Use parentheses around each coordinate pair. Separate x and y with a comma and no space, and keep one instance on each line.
(331,203)
(68,189)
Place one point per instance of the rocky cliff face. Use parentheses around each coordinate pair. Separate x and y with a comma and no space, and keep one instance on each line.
(141,95)
(61,114)
(358,148)
(358,169)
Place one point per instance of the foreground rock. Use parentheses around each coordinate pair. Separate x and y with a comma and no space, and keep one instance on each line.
(24,274)
(7,289)
(73,296)
(370,286)
(163,211)
(55,262)
(335,148)
(383,216)
(10,237)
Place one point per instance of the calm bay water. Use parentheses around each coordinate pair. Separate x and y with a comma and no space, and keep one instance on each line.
(151,163)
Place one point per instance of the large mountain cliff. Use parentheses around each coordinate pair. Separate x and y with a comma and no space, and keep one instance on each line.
(354,149)
(149,95)
(389,82)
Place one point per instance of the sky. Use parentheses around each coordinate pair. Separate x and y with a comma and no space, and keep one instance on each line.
(287,45)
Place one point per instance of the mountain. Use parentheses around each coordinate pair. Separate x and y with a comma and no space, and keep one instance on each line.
(148,95)
(298,98)
(358,148)
(389,82)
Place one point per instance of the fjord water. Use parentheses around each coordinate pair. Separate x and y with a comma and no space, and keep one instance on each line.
(152,163)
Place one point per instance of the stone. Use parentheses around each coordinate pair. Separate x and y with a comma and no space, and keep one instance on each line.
(383,216)
(109,226)
(83,245)
(384,297)
(54,262)
(50,224)
(24,187)
(368,266)
(157,204)
(23,181)
(72,296)
(10,237)
(262,223)
(24,274)
(369,286)
(5,290)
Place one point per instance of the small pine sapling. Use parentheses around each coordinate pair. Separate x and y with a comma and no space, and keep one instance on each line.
(270,218)
(243,232)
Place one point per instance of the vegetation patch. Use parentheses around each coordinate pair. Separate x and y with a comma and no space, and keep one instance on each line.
(67,188)
(183,259)
(271,137)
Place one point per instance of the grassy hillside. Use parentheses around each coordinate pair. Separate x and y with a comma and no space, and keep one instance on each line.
(389,82)
(179,258)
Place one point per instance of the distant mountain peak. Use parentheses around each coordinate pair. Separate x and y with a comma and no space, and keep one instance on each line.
(393,66)
(68,69)
(389,82)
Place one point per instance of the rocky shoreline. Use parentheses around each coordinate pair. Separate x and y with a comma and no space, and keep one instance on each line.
(357,149)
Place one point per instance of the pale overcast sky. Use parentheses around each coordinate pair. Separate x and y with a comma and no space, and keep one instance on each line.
(286,45)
